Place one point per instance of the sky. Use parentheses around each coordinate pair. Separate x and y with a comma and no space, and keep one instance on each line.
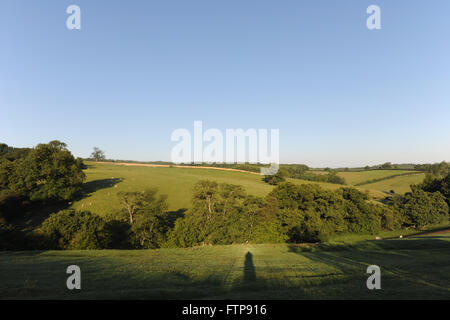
(340,94)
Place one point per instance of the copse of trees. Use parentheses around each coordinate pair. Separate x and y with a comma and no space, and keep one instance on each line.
(310,213)
(437,170)
(46,173)
(432,183)
(225,214)
(423,208)
(144,212)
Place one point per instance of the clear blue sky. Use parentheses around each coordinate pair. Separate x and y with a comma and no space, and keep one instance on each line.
(340,94)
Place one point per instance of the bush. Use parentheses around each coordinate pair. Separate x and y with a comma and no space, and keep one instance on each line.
(423,208)
(276,179)
(70,229)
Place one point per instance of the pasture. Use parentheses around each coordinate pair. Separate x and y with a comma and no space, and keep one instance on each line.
(104,181)
(400,185)
(357,177)
(411,268)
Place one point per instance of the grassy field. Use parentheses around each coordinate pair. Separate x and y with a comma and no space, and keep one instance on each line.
(411,268)
(400,185)
(104,181)
(356,177)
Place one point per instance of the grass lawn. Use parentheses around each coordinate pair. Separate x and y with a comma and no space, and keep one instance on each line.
(411,268)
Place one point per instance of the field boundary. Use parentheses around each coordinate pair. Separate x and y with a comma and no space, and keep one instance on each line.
(387,178)
(173,166)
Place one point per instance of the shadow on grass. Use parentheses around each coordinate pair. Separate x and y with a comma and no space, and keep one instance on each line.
(35,212)
(411,269)
(249,269)
(93,186)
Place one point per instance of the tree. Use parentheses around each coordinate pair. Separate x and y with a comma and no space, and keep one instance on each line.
(98,154)
(277,178)
(134,203)
(386,165)
(48,172)
(70,229)
(423,208)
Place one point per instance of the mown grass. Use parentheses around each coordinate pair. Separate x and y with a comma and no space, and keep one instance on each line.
(411,268)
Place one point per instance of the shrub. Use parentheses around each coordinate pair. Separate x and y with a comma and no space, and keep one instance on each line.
(70,229)
(422,208)
(277,178)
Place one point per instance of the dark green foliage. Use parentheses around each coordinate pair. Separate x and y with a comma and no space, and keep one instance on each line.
(386,165)
(309,214)
(12,238)
(97,154)
(300,171)
(11,204)
(69,229)
(277,178)
(47,172)
(145,213)
(11,153)
(437,170)
(433,184)
(423,208)
(225,214)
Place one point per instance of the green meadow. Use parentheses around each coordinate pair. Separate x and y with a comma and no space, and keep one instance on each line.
(411,268)
(400,185)
(104,181)
(357,177)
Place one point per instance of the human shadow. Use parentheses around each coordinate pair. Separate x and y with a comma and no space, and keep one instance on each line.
(249,269)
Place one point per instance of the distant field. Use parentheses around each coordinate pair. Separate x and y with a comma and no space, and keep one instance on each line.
(411,268)
(353,178)
(104,181)
(374,194)
(399,184)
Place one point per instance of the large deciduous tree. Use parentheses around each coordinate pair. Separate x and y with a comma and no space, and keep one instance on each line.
(98,154)
(48,172)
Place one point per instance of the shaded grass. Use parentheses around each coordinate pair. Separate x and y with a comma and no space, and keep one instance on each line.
(412,268)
